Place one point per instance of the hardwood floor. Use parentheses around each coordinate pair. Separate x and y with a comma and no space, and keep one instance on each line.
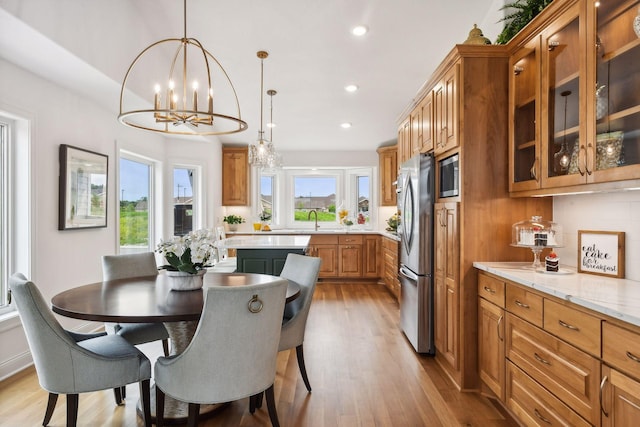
(362,370)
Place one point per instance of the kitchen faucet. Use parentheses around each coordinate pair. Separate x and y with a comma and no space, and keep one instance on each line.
(315,212)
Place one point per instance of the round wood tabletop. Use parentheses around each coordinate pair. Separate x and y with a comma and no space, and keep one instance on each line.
(149,299)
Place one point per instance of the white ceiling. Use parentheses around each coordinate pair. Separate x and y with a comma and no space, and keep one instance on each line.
(312,54)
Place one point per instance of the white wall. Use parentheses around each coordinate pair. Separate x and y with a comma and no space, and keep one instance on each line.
(618,211)
(64,259)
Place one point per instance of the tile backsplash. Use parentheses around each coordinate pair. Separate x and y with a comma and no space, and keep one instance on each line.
(619,211)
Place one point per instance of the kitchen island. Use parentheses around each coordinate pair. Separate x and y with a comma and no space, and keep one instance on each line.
(265,254)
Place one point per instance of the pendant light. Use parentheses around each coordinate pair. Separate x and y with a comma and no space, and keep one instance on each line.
(262,154)
(275,162)
(562,158)
(183,102)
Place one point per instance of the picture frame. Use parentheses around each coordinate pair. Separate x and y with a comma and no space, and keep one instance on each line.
(601,253)
(82,188)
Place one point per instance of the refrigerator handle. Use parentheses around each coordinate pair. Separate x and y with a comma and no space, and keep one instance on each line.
(408,273)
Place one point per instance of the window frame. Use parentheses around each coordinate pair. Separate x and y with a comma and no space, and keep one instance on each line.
(283,197)
(196,199)
(154,200)
(16,192)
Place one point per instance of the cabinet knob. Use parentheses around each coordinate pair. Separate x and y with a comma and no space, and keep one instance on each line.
(517,69)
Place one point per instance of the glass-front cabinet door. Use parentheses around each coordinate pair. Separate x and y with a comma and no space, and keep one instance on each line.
(563,63)
(614,128)
(524,144)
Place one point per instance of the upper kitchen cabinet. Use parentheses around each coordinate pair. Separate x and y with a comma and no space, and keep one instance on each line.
(524,100)
(235,176)
(404,140)
(445,111)
(576,125)
(388,169)
(613,145)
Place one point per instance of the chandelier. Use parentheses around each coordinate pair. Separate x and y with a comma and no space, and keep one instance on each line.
(184,105)
(262,154)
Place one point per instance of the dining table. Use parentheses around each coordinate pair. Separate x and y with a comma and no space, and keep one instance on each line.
(150,299)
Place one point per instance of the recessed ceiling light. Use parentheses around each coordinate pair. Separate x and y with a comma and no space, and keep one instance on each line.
(360,30)
(345,125)
(351,88)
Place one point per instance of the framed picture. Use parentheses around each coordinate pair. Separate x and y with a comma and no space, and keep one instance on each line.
(83,189)
(601,253)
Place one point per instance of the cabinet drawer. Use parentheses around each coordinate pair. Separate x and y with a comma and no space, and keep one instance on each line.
(491,289)
(621,348)
(323,239)
(350,239)
(570,374)
(524,304)
(576,327)
(535,406)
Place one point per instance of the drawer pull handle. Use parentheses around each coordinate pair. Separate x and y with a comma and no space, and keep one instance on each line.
(498,326)
(605,413)
(633,357)
(568,326)
(523,305)
(541,360)
(539,415)
(488,289)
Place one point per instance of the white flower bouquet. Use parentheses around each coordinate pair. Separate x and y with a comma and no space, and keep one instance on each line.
(190,253)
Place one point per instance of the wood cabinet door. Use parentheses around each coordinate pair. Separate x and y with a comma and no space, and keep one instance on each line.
(427,123)
(491,357)
(329,256)
(404,140)
(350,260)
(416,130)
(387,157)
(445,111)
(446,281)
(235,176)
(371,256)
(620,399)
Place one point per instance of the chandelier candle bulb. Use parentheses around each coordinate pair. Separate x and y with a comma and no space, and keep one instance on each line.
(195,96)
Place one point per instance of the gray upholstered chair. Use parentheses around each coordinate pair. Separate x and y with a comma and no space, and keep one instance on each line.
(71,363)
(303,270)
(134,265)
(224,263)
(232,354)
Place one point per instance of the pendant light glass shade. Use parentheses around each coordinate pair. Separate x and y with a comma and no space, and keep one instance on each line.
(175,76)
(262,154)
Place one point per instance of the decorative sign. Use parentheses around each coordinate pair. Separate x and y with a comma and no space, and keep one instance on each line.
(601,252)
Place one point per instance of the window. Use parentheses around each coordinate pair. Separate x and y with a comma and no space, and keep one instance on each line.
(293,193)
(183,200)
(15,202)
(136,204)
(316,193)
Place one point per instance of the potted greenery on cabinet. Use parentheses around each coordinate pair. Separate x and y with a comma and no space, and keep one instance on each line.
(519,13)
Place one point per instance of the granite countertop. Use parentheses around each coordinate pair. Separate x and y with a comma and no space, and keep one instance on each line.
(265,241)
(617,298)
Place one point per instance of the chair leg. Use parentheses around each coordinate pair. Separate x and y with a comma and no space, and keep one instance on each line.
(165,347)
(145,399)
(271,405)
(194,411)
(255,402)
(117,393)
(159,407)
(72,410)
(303,370)
(51,406)
(124,392)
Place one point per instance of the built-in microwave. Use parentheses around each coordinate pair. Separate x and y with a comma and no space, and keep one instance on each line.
(449,169)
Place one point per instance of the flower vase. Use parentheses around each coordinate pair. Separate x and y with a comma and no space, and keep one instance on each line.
(233,227)
(182,281)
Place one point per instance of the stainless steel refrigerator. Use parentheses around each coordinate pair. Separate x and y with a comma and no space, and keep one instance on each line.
(416,255)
